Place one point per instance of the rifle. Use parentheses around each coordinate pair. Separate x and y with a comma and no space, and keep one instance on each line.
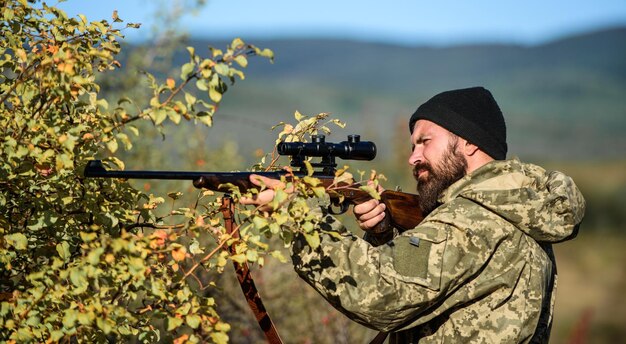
(402,209)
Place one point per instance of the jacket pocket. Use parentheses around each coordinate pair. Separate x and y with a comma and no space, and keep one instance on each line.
(417,256)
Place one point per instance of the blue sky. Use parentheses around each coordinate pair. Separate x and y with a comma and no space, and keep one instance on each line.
(402,21)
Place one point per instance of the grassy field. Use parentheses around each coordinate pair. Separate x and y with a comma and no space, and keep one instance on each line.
(590,297)
(592,268)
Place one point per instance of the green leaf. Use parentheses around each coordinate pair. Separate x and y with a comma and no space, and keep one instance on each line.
(222,69)
(64,161)
(267,53)
(87,237)
(85,318)
(239,258)
(319,191)
(157,289)
(63,249)
(112,146)
(173,323)
(309,169)
(159,115)
(215,95)
(242,60)
(193,320)
(21,151)
(219,338)
(237,43)
(279,197)
(8,14)
(194,247)
(339,123)
(313,239)
(186,70)
(69,318)
(205,118)
(221,259)
(370,191)
(192,51)
(202,85)
(136,266)
(78,278)
(125,140)
(259,222)
(17,240)
(123,100)
(278,255)
(252,255)
(132,129)
(105,325)
(190,99)
(216,52)
(222,327)
(67,200)
(94,256)
(275,227)
(56,335)
(174,116)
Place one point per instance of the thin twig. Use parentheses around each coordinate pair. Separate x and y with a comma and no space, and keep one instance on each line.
(212,253)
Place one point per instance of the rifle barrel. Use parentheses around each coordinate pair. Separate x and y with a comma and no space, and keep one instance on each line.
(210,180)
(95,169)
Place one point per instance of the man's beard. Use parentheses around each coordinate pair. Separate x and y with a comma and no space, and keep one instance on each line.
(451,168)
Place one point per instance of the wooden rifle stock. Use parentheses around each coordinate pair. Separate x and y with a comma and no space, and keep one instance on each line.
(403,209)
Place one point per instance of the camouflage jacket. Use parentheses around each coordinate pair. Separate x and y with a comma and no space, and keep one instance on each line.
(479,268)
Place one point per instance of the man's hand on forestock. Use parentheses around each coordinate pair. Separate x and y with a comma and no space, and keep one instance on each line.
(370,215)
(262,199)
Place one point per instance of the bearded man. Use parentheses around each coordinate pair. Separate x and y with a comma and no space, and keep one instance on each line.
(479,267)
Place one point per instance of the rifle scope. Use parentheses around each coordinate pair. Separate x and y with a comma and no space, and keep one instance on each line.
(353,149)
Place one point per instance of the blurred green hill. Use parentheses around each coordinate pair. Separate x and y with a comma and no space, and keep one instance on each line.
(563,99)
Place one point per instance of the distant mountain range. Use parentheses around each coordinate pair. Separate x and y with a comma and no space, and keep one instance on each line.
(563,100)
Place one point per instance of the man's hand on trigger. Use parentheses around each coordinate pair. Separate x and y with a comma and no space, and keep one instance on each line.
(370,213)
(263,198)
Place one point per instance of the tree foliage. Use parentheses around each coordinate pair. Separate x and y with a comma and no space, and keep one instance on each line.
(88,259)
(75,261)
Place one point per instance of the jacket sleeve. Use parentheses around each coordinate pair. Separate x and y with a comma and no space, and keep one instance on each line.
(391,285)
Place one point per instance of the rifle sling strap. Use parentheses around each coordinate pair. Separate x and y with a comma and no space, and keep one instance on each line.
(380,338)
(245,279)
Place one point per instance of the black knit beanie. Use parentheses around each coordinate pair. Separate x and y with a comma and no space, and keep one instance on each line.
(471,113)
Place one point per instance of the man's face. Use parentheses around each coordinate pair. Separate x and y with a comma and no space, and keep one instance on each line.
(437,162)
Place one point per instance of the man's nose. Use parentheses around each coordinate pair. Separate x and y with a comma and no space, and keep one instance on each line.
(415,157)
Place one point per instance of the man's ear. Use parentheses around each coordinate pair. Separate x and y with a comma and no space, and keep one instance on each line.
(469,148)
